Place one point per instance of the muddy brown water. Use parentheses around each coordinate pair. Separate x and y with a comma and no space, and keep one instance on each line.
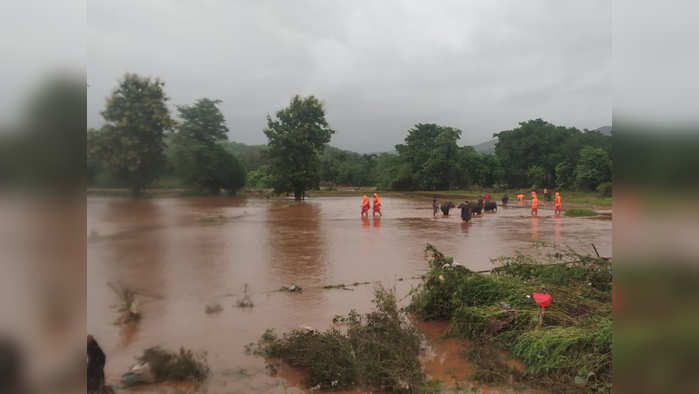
(181,254)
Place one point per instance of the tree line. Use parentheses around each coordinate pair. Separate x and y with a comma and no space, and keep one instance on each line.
(140,144)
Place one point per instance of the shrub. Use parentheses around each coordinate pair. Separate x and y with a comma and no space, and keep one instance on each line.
(378,350)
(573,343)
(185,365)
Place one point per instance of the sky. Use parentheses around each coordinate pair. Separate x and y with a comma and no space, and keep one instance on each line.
(378,67)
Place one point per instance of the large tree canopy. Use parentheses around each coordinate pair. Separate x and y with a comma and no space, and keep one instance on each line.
(296,137)
(429,154)
(198,157)
(536,148)
(131,141)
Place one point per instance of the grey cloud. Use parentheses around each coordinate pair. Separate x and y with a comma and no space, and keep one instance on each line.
(380,67)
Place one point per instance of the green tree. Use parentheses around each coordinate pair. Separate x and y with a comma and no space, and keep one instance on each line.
(259,177)
(535,143)
(131,141)
(593,168)
(203,121)
(296,137)
(199,158)
(536,175)
(565,175)
(431,153)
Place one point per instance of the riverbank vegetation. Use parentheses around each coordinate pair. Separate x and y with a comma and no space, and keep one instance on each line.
(184,365)
(567,346)
(140,148)
(379,351)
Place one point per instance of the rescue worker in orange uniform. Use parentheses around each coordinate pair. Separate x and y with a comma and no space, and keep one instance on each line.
(535,204)
(557,202)
(365,205)
(520,197)
(377,205)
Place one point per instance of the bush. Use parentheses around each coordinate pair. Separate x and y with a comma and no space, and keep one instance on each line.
(605,189)
(573,343)
(378,350)
(185,365)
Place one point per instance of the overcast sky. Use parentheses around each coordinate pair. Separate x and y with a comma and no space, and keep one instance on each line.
(379,66)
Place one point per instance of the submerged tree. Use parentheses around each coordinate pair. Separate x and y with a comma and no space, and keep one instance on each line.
(296,138)
(131,142)
(198,156)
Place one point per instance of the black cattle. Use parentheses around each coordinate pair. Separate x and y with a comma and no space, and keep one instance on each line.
(465,211)
(476,208)
(490,206)
(446,206)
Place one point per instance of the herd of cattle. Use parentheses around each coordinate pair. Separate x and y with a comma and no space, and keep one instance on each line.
(469,209)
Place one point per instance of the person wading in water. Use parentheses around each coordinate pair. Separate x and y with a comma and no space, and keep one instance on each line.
(365,206)
(377,205)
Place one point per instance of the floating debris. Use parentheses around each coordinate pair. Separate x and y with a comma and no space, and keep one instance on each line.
(213,308)
(246,301)
(140,373)
(127,306)
(292,288)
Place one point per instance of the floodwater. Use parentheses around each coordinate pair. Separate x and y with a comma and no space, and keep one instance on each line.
(181,254)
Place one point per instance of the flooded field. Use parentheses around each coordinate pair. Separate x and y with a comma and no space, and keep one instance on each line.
(181,254)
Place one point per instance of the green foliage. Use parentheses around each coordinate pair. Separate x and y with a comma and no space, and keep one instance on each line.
(537,175)
(565,175)
(605,189)
(259,177)
(197,157)
(342,167)
(251,157)
(203,121)
(296,137)
(574,341)
(539,143)
(378,351)
(431,153)
(593,168)
(130,144)
(582,351)
(185,365)
(577,212)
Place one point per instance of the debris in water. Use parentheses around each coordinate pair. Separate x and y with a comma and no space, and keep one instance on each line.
(140,373)
(127,306)
(246,301)
(213,308)
(292,288)
(159,365)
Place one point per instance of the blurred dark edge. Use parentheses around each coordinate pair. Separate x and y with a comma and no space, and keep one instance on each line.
(42,197)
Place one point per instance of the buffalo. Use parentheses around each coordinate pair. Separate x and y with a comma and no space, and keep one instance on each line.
(490,206)
(476,208)
(446,206)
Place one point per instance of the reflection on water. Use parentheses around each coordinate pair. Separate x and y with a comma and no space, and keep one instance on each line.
(181,254)
(535,228)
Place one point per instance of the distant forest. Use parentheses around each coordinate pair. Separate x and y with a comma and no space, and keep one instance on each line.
(140,146)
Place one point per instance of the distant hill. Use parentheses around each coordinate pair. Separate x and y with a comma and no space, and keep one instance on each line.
(606,130)
(486,147)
